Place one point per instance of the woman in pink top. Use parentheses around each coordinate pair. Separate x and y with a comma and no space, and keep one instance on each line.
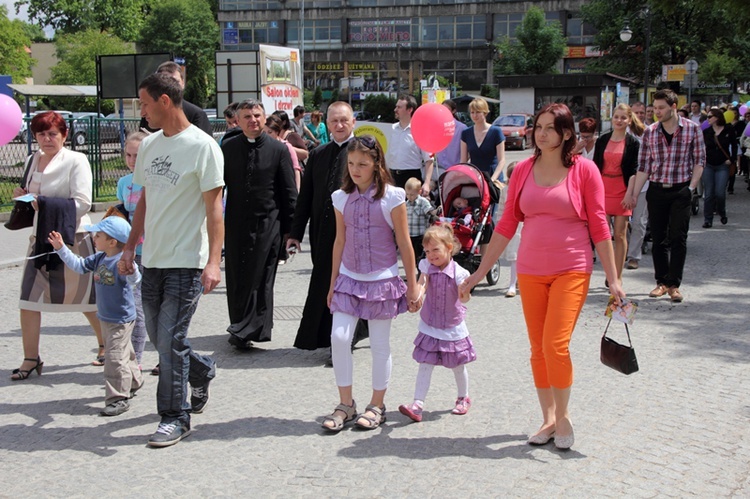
(616,156)
(274,128)
(560,198)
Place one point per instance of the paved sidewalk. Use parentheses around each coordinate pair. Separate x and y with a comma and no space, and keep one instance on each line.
(679,427)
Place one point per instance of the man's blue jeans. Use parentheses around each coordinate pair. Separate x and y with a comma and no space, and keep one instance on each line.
(715,178)
(170,297)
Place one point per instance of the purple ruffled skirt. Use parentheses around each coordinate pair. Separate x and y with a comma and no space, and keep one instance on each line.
(450,354)
(369,300)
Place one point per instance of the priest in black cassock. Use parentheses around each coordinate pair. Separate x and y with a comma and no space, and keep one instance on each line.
(260,200)
(323,172)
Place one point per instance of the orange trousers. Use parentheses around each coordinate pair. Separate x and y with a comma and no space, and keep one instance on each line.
(551,306)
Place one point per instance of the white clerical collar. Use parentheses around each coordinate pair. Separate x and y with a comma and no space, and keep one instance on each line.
(344,142)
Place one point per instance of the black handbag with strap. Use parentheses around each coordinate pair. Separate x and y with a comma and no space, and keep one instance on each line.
(22,215)
(619,357)
(732,164)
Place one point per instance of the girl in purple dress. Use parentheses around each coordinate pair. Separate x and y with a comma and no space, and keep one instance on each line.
(365,282)
(443,338)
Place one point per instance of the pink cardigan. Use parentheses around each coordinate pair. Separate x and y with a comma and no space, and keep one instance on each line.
(586,191)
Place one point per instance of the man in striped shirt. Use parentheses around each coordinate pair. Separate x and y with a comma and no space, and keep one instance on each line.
(672,156)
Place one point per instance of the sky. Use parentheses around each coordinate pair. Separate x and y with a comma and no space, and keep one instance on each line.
(22,15)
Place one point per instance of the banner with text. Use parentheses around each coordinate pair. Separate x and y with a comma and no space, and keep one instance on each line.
(281,82)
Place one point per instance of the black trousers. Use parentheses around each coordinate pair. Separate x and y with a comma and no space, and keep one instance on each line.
(669,219)
(401,176)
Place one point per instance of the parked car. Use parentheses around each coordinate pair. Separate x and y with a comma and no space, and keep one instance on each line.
(517,128)
(363,116)
(23,133)
(109,131)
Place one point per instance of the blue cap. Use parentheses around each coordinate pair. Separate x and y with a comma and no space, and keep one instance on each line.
(115,227)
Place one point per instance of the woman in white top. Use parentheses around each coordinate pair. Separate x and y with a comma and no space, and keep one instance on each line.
(56,172)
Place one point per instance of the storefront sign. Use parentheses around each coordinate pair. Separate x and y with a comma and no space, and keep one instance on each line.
(379,33)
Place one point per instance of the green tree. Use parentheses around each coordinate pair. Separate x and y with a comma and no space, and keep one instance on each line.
(718,66)
(123,18)
(14,59)
(187,29)
(678,30)
(538,48)
(77,55)
(380,105)
(317,98)
(34,32)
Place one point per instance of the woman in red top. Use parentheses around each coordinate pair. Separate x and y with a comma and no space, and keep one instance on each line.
(616,156)
(560,198)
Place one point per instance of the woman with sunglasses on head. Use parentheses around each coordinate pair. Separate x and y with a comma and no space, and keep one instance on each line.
(559,196)
(365,282)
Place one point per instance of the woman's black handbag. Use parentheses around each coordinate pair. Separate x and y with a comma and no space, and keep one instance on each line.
(22,215)
(619,357)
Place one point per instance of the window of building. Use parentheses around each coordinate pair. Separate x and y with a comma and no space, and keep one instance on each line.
(448,31)
(252,33)
(505,25)
(319,34)
(579,32)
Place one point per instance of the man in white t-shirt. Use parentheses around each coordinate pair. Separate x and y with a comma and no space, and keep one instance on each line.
(404,158)
(181,170)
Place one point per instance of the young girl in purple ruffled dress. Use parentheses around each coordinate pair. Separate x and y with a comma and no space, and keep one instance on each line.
(365,282)
(443,338)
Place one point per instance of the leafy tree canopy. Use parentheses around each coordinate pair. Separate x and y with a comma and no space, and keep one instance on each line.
(187,29)
(538,48)
(77,55)
(14,59)
(678,30)
(123,18)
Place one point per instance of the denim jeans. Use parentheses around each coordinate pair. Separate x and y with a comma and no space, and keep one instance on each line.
(715,178)
(669,218)
(170,297)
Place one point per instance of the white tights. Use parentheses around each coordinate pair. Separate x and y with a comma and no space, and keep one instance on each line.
(342,333)
(513,276)
(424,374)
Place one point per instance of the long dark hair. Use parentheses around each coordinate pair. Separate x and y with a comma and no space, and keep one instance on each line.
(563,121)
(368,145)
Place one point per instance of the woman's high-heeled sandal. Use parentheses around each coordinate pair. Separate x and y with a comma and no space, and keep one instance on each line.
(338,421)
(21,374)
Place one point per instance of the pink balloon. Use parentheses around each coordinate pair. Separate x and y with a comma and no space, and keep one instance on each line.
(11,119)
(432,127)
(743,109)
(746,133)
(705,125)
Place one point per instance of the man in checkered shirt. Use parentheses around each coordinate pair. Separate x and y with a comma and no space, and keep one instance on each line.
(418,210)
(671,158)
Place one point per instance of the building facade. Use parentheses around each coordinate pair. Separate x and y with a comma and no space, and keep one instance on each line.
(384,45)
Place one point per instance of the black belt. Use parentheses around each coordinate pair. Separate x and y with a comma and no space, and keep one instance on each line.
(662,185)
(399,172)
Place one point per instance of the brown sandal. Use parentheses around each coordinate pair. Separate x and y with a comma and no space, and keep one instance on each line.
(372,422)
(338,421)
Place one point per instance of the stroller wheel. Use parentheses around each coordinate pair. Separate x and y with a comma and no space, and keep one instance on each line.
(493,276)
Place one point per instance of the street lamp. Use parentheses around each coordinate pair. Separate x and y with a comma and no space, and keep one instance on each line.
(626,34)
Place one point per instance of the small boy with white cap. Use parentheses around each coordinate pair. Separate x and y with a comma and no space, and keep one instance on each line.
(115,308)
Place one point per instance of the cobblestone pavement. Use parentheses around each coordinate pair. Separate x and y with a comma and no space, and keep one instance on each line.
(676,428)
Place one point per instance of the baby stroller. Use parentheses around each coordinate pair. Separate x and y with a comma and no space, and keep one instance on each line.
(467,181)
